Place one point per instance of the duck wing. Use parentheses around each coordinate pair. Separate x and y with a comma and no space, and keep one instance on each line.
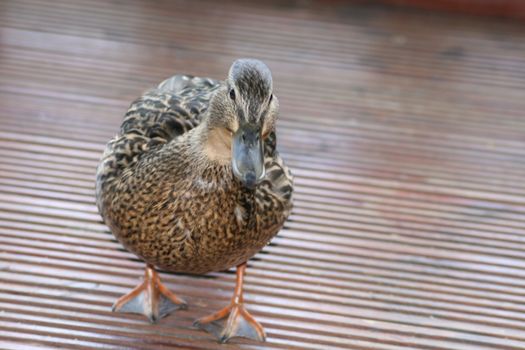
(278,184)
(176,106)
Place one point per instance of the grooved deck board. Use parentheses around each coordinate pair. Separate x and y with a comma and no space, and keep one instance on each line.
(404,129)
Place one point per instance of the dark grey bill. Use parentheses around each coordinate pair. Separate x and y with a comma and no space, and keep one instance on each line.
(247,155)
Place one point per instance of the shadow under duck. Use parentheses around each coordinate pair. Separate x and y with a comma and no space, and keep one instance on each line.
(193,183)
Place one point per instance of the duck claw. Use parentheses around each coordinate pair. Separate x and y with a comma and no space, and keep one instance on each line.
(232,321)
(151,299)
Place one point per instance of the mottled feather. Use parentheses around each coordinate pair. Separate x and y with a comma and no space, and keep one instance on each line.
(168,206)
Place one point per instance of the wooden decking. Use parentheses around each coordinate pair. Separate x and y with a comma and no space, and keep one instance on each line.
(405,130)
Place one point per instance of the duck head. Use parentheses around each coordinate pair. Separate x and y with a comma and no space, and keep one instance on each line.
(244,113)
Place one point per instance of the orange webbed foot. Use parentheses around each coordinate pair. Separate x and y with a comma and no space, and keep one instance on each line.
(151,298)
(233,320)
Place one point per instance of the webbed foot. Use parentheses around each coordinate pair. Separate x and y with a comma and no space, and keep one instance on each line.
(151,298)
(233,320)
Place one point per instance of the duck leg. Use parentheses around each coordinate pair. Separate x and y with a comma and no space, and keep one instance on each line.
(151,298)
(233,320)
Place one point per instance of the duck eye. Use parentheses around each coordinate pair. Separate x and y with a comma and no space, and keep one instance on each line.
(232,94)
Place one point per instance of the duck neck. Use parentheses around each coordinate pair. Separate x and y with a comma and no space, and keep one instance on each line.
(213,143)
(210,152)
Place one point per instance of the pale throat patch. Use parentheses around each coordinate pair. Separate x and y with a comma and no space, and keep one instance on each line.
(219,144)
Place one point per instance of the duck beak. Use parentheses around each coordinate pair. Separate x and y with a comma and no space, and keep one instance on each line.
(247,155)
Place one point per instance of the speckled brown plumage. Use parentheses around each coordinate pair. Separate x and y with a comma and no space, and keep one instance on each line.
(193,183)
(170,205)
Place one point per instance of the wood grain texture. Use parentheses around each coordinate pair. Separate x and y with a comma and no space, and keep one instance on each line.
(404,129)
(496,8)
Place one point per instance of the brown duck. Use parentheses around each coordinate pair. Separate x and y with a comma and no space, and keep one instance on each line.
(193,183)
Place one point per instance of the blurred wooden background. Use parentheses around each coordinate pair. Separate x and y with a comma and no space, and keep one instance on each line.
(493,8)
(405,130)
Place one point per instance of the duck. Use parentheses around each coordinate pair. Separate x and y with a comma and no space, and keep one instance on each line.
(193,183)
